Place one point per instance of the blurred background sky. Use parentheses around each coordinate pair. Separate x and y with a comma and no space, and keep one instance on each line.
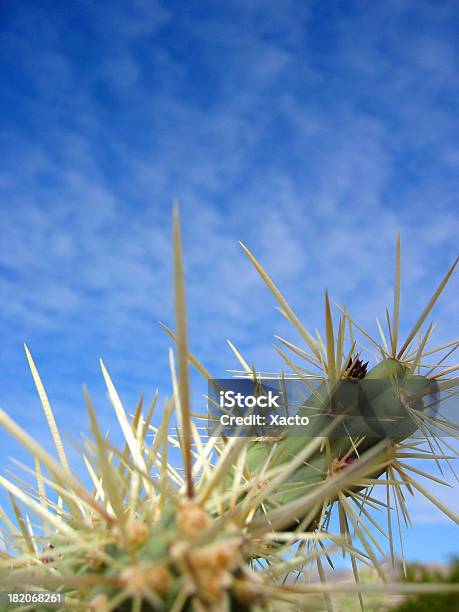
(310,130)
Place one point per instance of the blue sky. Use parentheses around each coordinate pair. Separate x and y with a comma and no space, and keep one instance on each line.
(311,131)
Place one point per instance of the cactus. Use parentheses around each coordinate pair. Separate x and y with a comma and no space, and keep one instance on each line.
(227,529)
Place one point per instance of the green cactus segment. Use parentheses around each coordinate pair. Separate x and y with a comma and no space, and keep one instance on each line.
(387,369)
(381,405)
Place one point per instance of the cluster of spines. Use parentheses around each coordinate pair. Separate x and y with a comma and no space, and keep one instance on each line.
(216,537)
